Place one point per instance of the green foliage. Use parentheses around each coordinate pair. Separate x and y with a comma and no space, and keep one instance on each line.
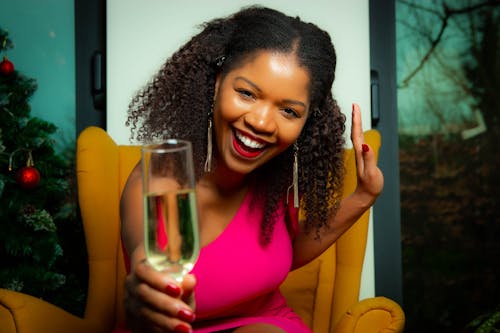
(41,241)
(5,42)
(487,323)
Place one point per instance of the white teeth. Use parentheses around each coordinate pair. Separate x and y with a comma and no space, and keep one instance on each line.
(249,142)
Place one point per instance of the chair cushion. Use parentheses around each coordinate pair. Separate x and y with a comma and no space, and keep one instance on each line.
(300,290)
(309,290)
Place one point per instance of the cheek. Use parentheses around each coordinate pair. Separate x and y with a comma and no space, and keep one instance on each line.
(230,108)
(225,113)
(290,133)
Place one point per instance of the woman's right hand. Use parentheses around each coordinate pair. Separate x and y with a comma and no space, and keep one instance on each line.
(154,302)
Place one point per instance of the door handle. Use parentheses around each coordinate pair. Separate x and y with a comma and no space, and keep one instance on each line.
(375,97)
(98,81)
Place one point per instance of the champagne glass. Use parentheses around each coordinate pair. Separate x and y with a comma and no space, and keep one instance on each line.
(171,235)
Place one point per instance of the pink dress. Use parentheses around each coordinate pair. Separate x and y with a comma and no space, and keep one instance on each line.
(238,279)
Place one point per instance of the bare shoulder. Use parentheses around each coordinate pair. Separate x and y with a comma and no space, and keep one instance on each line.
(132,190)
(134,178)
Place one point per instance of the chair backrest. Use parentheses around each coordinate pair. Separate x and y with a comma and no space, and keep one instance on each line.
(319,292)
(102,170)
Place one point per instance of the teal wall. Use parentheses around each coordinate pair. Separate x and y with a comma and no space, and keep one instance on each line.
(44,49)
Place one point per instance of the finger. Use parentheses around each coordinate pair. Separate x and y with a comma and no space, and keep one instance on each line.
(370,179)
(139,318)
(368,156)
(188,285)
(157,322)
(157,280)
(141,321)
(357,136)
(140,290)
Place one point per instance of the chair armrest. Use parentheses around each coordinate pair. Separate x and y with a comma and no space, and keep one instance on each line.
(21,313)
(377,314)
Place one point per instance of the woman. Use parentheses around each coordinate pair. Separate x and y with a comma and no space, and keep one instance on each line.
(259,82)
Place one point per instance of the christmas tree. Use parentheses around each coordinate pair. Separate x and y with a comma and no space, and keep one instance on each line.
(37,206)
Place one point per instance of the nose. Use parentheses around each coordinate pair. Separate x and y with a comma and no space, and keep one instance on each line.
(261,120)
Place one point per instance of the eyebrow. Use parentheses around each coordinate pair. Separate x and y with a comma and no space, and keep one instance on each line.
(256,87)
(249,82)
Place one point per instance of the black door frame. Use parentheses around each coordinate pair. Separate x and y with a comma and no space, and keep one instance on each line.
(90,55)
(386,211)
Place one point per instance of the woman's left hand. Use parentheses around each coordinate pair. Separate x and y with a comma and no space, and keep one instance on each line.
(370,177)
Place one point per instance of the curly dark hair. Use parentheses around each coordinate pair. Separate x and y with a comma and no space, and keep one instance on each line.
(177,102)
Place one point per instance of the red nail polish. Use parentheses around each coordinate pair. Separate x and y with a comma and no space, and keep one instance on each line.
(173,290)
(181,328)
(186,315)
(365,148)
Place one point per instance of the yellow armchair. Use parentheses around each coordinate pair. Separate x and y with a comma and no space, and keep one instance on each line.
(324,293)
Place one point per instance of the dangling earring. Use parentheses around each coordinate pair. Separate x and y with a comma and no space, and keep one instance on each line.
(208,161)
(295,177)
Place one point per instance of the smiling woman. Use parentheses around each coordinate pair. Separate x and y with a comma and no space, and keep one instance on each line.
(273,112)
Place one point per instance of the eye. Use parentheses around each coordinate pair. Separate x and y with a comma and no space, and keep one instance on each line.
(246,94)
(290,113)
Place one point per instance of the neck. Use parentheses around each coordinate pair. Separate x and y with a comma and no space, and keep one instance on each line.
(225,181)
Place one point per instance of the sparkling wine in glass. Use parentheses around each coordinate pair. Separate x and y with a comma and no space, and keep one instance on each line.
(171,235)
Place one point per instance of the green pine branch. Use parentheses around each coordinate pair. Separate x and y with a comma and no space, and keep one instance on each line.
(5,42)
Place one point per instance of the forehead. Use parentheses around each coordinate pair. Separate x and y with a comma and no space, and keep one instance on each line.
(276,71)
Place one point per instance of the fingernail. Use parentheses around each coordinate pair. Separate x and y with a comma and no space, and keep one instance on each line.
(181,328)
(173,290)
(186,315)
(365,148)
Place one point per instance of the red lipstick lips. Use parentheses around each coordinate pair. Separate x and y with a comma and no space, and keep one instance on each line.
(244,150)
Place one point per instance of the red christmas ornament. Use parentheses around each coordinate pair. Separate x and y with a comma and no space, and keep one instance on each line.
(6,66)
(28,177)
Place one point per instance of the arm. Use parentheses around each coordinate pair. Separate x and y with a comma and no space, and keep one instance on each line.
(131,215)
(153,301)
(369,186)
